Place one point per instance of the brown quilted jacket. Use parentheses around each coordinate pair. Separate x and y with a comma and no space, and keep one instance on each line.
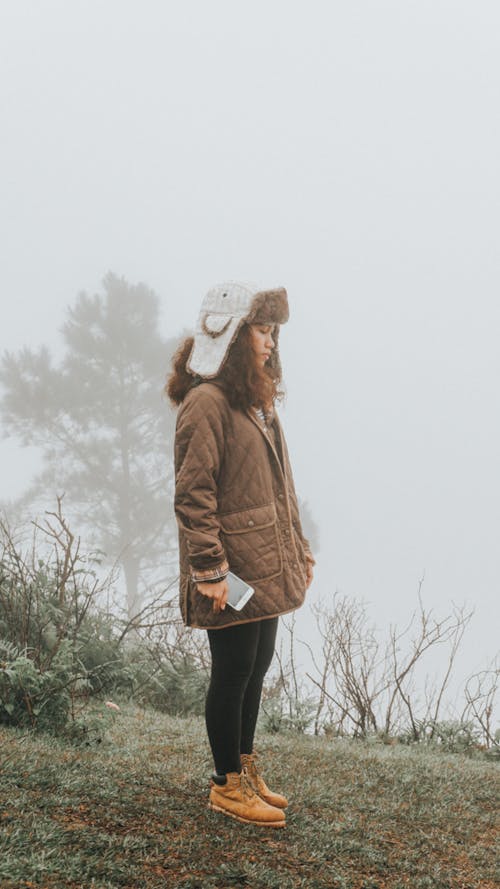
(236,506)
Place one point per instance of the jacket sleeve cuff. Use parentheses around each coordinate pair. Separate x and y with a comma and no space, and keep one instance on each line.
(210,575)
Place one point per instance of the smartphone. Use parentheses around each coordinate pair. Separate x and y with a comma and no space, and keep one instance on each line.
(239,591)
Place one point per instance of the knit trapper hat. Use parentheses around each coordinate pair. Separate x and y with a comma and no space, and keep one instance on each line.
(225,308)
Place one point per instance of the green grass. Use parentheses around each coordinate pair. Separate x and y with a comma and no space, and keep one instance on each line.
(131,812)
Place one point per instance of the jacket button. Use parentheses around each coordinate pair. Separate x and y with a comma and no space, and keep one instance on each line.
(251,522)
(280,496)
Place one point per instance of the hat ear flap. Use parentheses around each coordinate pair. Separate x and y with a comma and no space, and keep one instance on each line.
(215,325)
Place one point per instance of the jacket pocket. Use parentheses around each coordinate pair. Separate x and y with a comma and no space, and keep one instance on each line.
(250,538)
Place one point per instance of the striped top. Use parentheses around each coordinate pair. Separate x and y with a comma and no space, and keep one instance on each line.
(265,419)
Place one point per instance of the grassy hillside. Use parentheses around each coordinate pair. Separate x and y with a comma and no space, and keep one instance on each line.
(131,812)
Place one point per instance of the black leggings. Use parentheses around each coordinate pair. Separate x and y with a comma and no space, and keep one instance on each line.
(241,656)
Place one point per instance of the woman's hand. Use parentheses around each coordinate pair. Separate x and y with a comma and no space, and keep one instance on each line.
(216,591)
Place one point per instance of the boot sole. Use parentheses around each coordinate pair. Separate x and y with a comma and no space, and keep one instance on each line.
(245,820)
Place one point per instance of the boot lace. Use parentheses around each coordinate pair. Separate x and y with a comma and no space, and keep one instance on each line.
(254,764)
(246,784)
(251,765)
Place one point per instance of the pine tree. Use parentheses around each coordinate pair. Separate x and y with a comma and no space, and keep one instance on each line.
(103,426)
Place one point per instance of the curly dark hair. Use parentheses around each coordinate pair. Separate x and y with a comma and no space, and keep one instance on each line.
(244,382)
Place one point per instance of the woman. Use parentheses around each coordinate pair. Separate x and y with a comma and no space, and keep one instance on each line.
(237,511)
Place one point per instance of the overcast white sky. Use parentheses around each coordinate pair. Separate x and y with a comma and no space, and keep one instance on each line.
(347,150)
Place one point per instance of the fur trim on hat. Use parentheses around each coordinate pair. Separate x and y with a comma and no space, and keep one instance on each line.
(269,307)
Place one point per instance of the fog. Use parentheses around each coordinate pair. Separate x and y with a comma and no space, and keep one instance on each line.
(348,151)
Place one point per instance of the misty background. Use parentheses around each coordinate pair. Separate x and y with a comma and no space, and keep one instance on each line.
(347,151)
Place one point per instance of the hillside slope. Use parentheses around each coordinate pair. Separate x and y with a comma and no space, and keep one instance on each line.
(131,812)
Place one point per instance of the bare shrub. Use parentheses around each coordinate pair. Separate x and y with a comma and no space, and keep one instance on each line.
(55,650)
(480,694)
(368,683)
(287,703)
(63,638)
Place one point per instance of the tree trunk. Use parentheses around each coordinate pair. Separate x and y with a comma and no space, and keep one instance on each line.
(131,569)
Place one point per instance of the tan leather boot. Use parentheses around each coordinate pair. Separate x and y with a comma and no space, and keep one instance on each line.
(248,761)
(238,799)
